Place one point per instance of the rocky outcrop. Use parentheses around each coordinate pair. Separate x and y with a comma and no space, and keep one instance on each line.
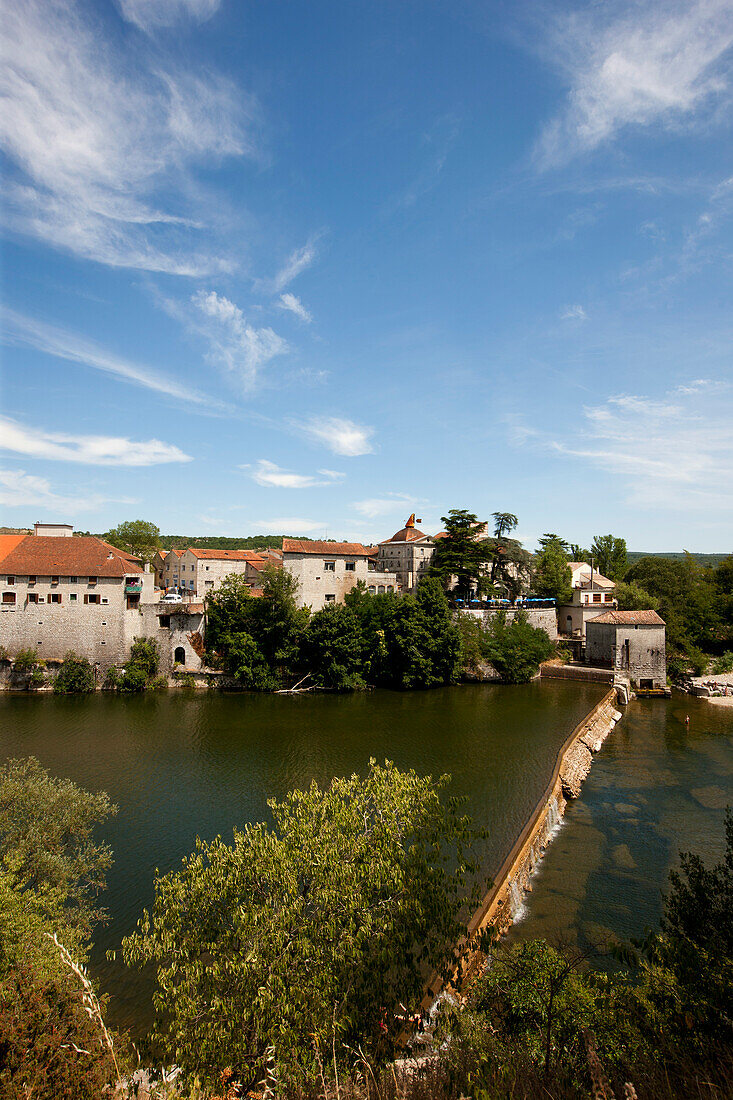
(575,768)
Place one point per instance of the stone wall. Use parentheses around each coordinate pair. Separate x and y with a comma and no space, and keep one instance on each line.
(543,618)
(637,652)
(316,582)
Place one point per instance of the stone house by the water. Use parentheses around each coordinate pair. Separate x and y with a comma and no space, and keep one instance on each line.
(632,644)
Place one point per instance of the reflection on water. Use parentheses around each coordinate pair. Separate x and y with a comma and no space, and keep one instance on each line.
(654,788)
(180,766)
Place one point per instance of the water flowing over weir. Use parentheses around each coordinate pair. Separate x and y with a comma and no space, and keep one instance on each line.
(179,766)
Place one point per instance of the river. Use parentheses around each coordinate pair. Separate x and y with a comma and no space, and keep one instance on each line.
(180,765)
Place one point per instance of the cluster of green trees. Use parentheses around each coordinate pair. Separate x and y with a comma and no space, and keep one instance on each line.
(470,561)
(140,672)
(142,538)
(385,640)
(300,948)
(381,640)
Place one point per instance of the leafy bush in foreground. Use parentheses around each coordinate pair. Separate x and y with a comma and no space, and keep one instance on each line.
(75,677)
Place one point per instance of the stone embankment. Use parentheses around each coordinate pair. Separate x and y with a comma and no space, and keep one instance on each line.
(505,900)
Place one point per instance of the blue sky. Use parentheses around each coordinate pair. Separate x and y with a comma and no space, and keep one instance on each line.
(309,267)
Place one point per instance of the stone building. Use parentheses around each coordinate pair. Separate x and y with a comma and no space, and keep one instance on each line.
(632,643)
(326,571)
(407,554)
(59,593)
(201,571)
(593,594)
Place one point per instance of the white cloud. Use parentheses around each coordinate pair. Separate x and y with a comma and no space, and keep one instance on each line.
(296,262)
(675,451)
(62,344)
(94,136)
(294,304)
(573,313)
(149,14)
(287,525)
(381,506)
(240,347)
(268,474)
(343,437)
(93,450)
(635,65)
(21,490)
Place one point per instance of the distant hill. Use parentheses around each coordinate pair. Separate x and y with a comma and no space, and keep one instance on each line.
(701,559)
(221,542)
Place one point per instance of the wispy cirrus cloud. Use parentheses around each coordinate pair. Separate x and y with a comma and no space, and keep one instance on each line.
(672,451)
(275,477)
(21,490)
(234,343)
(63,344)
(343,437)
(635,65)
(151,14)
(382,506)
(95,137)
(294,305)
(298,260)
(574,313)
(92,450)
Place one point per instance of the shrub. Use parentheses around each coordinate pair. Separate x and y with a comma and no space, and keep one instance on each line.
(75,677)
(37,678)
(724,663)
(145,655)
(112,679)
(160,683)
(25,661)
(133,679)
(516,648)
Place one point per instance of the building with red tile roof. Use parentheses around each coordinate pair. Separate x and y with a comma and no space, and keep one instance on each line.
(632,643)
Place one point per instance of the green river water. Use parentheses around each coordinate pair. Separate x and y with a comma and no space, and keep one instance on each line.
(182,765)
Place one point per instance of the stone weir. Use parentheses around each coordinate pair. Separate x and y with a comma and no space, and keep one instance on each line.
(504,900)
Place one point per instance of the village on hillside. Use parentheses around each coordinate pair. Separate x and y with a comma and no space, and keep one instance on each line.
(63,592)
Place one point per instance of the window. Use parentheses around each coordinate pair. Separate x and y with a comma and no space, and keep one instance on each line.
(207,569)
(72,597)
(330,598)
(91,597)
(209,584)
(191,584)
(351,567)
(390,588)
(54,597)
(92,580)
(11,580)
(105,599)
(597,597)
(31,580)
(54,580)
(74,580)
(179,655)
(381,589)
(32,597)
(329,566)
(9,598)
(372,590)
(104,622)
(164,620)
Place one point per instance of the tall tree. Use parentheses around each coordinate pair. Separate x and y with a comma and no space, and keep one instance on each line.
(609,556)
(137,537)
(552,575)
(309,933)
(461,553)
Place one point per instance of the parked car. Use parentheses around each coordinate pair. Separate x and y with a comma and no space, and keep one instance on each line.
(172,597)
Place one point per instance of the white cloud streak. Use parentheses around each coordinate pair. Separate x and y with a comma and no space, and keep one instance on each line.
(94,138)
(148,15)
(240,347)
(382,506)
(294,305)
(92,450)
(21,490)
(296,262)
(574,313)
(62,344)
(635,65)
(670,452)
(268,474)
(343,437)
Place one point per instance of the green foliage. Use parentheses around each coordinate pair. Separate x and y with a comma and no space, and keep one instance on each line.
(47,850)
(471,635)
(223,542)
(632,597)
(516,648)
(132,680)
(685,595)
(141,668)
(723,663)
(25,661)
(137,537)
(460,553)
(333,649)
(111,679)
(160,683)
(37,678)
(609,556)
(421,644)
(310,932)
(75,677)
(246,664)
(552,575)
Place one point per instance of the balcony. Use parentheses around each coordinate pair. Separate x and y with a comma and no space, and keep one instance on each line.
(134,589)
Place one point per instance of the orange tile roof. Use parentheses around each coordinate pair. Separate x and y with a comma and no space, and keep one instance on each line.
(84,555)
(300,546)
(223,555)
(407,534)
(628,618)
(8,543)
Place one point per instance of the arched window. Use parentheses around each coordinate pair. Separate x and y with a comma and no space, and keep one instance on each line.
(179,655)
